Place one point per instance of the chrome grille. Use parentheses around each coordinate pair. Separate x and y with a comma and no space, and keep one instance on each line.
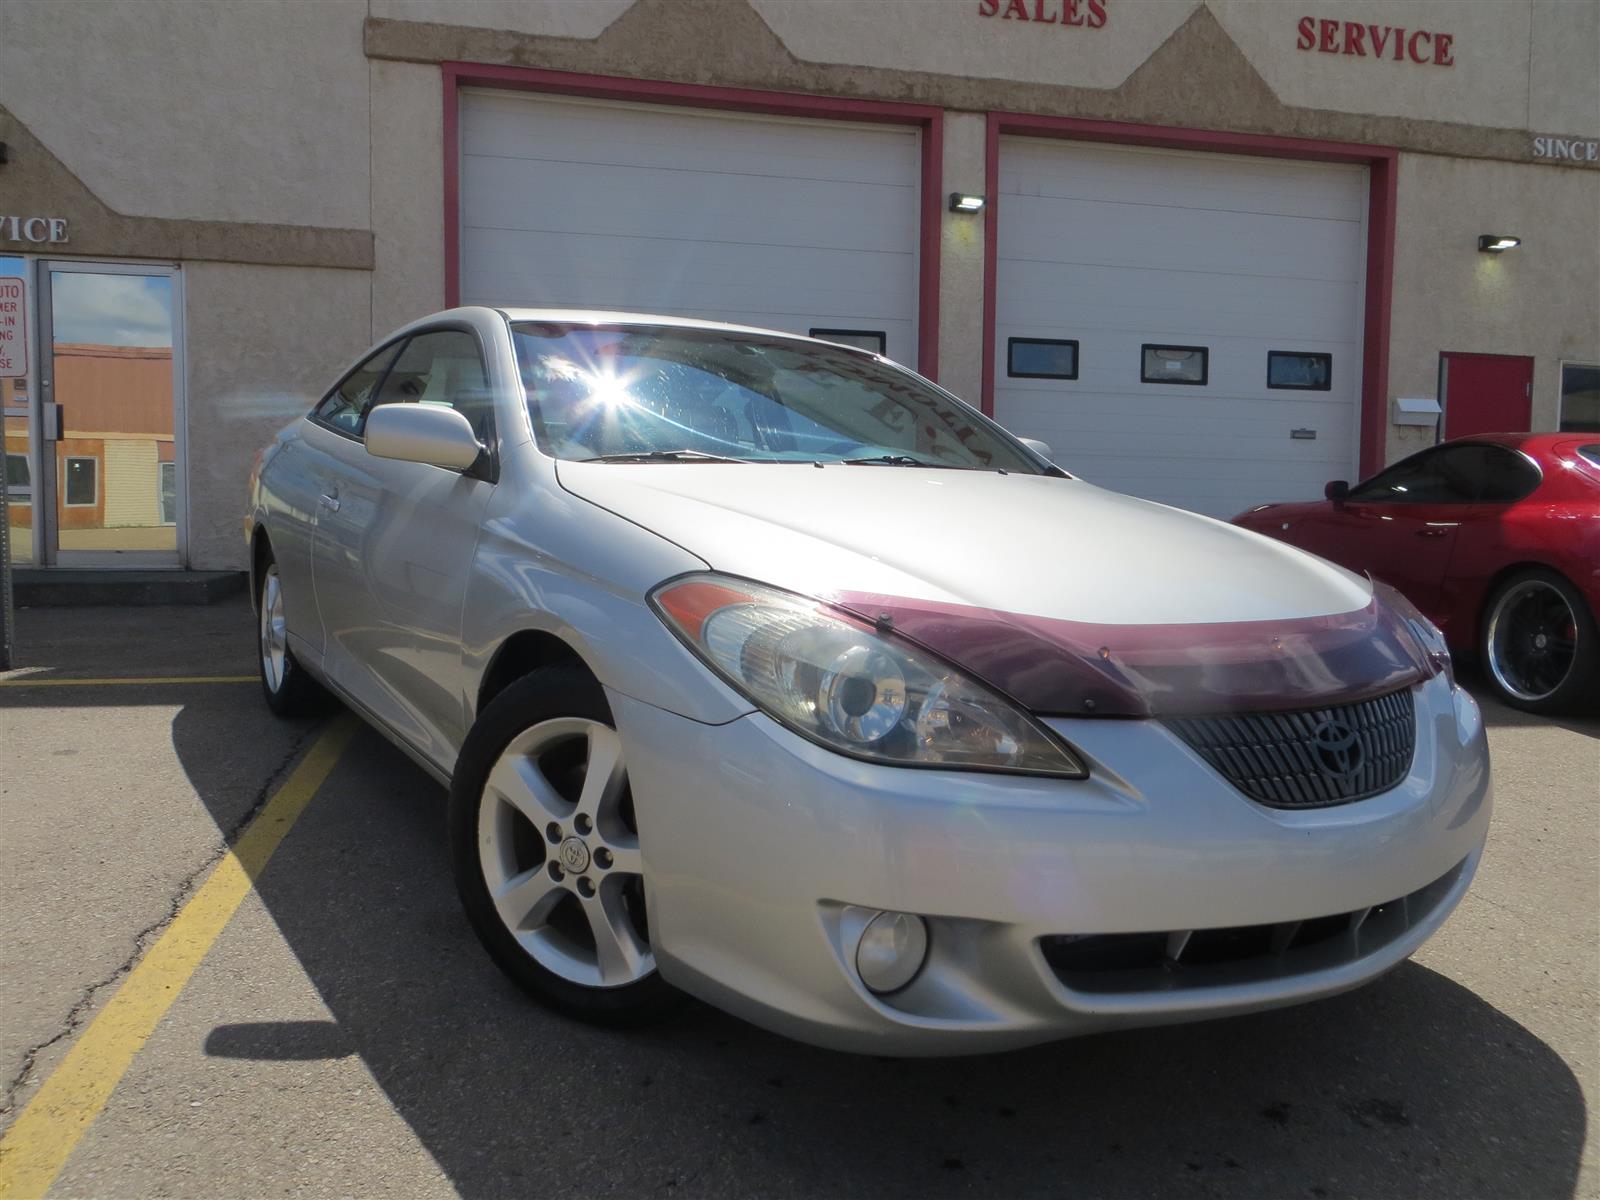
(1312,757)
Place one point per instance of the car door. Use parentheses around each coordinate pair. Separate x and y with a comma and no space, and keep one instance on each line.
(394,547)
(302,472)
(1400,526)
(1489,538)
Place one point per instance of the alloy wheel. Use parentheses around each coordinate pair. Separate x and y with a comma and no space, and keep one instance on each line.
(559,851)
(274,632)
(1532,640)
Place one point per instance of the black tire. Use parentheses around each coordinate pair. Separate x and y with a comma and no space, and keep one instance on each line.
(565,691)
(288,690)
(1524,624)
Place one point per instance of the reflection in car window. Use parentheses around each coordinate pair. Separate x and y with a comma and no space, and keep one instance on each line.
(1460,474)
(1420,479)
(633,390)
(345,408)
(443,367)
(1503,476)
(1592,453)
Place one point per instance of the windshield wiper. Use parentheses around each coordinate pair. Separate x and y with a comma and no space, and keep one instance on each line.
(897,460)
(663,456)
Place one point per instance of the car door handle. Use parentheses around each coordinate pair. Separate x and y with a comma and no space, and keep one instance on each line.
(331,503)
(1431,531)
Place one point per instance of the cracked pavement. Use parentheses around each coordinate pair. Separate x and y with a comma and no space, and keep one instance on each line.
(104,835)
(346,1036)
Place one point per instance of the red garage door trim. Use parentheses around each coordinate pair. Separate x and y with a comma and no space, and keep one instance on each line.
(1380,232)
(788,104)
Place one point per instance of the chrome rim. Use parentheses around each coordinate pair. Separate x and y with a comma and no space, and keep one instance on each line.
(1533,640)
(559,850)
(274,633)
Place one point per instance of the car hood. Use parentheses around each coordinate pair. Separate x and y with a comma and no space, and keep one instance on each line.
(1067,596)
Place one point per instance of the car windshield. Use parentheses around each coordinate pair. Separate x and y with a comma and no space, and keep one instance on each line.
(663,394)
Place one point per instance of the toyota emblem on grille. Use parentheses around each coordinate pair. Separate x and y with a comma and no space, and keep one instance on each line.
(1338,749)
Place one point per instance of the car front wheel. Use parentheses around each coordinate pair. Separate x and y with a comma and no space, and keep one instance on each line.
(1540,644)
(289,691)
(545,846)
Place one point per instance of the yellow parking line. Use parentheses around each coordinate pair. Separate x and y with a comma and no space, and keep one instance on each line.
(36,1147)
(143,681)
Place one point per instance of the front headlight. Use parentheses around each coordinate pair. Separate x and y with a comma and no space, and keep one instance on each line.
(849,687)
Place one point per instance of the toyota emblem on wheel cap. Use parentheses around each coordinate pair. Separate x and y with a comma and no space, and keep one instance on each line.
(1338,749)
(575,855)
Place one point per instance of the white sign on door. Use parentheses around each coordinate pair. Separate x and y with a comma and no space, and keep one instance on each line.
(13,327)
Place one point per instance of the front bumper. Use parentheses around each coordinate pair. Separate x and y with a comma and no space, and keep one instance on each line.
(761,849)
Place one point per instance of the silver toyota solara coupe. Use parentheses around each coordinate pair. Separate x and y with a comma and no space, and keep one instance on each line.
(764,670)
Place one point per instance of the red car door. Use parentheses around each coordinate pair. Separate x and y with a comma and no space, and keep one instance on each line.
(1399,526)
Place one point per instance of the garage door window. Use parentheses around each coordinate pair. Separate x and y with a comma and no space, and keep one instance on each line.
(875,340)
(1174,364)
(1042,358)
(1300,372)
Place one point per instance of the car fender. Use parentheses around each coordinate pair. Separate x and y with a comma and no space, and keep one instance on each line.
(526,577)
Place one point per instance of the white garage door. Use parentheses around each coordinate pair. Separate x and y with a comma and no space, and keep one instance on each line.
(1216,305)
(789,223)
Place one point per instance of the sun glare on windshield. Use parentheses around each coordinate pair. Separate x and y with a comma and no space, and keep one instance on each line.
(651,393)
(605,386)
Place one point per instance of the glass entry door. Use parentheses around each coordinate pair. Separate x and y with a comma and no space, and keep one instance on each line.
(17,407)
(110,486)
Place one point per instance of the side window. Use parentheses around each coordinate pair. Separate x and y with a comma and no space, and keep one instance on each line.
(443,367)
(1439,476)
(345,408)
(1498,475)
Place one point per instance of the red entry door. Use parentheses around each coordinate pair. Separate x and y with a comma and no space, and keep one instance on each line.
(1485,393)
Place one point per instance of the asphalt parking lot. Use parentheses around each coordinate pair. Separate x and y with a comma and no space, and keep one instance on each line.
(344,1035)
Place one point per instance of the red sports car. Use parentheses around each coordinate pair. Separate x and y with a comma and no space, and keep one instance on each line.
(1495,537)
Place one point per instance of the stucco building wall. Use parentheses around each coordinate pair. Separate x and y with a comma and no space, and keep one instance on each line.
(290,156)
(265,343)
(1542,300)
(408,205)
(961,260)
(198,109)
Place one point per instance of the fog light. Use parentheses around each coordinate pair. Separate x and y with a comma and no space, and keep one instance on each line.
(891,951)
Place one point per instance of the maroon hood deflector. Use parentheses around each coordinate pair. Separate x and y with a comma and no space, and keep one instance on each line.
(1074,668)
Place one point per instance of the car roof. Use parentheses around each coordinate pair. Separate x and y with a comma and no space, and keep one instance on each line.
(1529,442)
(592,316)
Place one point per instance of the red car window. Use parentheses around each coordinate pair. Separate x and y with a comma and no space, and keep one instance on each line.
(1464,473)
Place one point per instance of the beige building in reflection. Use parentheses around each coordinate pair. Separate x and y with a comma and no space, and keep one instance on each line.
(116,475)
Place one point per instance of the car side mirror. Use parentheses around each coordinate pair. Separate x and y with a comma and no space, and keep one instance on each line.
(422,433)
(1042,449)
(1337,490)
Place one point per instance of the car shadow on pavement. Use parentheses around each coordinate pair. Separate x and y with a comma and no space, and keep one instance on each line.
(1412,1086)
(1499,715)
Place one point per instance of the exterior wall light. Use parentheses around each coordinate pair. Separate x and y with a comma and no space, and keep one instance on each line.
(1494,243)
(963,203)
